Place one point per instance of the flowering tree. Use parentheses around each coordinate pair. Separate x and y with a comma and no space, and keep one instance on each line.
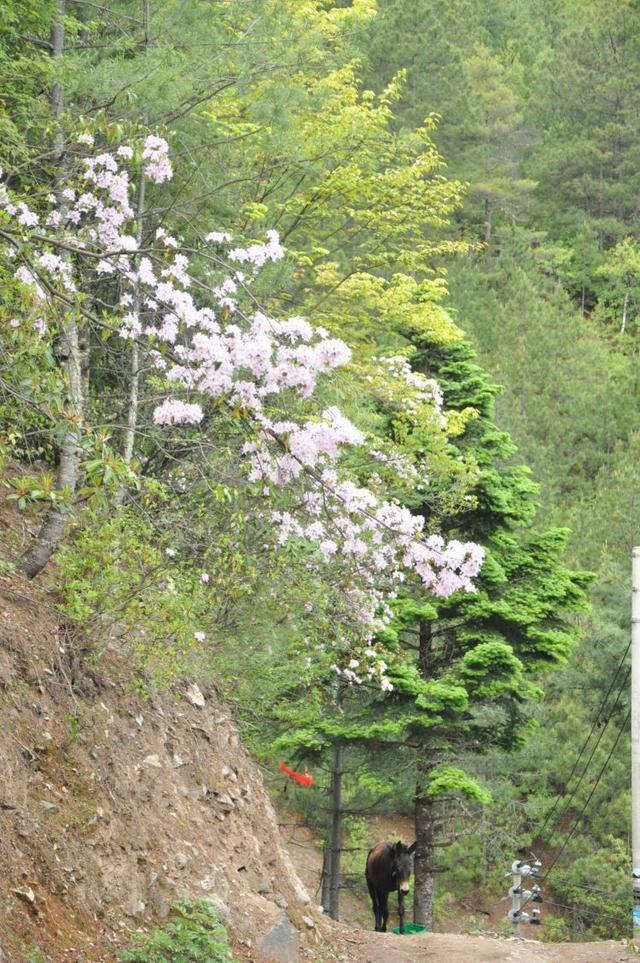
(209,348)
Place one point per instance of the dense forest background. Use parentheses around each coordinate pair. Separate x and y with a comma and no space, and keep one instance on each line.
(455,184)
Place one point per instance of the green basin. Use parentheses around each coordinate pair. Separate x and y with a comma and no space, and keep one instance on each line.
(410,928)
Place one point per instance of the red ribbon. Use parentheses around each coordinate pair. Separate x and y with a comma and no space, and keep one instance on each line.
(305,778)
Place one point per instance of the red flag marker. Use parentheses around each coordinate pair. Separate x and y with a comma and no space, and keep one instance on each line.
(305,778)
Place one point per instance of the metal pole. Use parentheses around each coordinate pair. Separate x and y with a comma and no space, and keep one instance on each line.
(635,739)
(516,897)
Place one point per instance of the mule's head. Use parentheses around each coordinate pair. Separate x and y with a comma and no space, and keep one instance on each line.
(402,864)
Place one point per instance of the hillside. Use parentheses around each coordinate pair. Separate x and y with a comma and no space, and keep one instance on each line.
(319,444)
(112,807)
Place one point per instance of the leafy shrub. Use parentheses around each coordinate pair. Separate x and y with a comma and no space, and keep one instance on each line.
(117,582)
(191,934)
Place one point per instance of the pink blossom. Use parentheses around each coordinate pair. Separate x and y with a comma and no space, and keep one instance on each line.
(24,275)
(26,216)
(175,412)
(251,364)
(158,167)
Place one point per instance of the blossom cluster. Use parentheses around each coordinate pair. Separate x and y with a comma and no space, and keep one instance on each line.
(422,390)
(208,348)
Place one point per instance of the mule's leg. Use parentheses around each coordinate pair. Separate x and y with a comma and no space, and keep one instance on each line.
(385,912)
(380,902)
(401,910)
(374,903)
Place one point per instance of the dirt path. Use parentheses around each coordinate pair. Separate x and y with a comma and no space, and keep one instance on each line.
(456,948)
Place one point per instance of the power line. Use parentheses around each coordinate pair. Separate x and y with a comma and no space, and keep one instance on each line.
(587,911)
(569,835)
(589,889)
(597,719)
(622,688)
(578,818)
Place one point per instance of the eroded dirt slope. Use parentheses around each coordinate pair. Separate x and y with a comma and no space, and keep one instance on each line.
(112,806)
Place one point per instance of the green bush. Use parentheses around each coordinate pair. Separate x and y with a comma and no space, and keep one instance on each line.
(117,583)
(192,933)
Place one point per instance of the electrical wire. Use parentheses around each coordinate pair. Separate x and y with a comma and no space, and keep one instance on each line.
(586,911)
(580,815)
(567,807)
(584,746)
(588,889)
(578,818)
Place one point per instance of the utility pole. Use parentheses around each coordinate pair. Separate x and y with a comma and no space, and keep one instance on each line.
(635,739)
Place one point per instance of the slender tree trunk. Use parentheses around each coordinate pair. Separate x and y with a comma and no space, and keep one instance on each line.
(488,226)
(335,840)
(424,814)
(624,311)
(57,93)
(52,528)
(582,300)
(129,437)
(73,348)
(326,874)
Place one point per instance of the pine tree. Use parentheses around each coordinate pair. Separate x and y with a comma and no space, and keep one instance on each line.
(464,669)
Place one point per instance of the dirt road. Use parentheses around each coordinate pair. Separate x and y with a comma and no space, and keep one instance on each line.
(363,947)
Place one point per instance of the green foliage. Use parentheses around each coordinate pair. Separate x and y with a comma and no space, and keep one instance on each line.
(192,933)
(320,119)
(28,488)
(447,780)
(24,73)
(595,889)
(74,726)
(118,582)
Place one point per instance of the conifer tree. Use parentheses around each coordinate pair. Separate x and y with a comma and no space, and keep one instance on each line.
(463,669)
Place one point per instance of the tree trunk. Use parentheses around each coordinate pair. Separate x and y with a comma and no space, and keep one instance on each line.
(424,813)
(52,528)
(624,311)
(129,437)
(57,93)
(423,890)
(326,874)
(74,361)
(335,839)
(488,226)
